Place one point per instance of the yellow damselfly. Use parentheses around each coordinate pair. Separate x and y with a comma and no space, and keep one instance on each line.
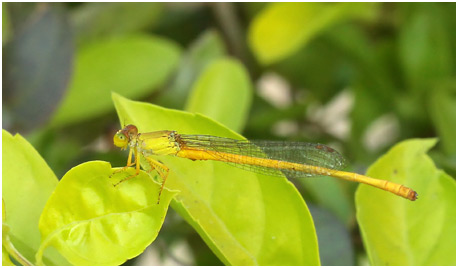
(276,158)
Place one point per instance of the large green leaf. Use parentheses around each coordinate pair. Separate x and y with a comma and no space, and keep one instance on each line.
(8,249)
(27,183)
(282,28)
(91,222)
(245,218)
(133,66)
(224,83)
(400,232)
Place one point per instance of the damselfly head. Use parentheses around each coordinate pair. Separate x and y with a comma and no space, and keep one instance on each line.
(130,130)
(122,137)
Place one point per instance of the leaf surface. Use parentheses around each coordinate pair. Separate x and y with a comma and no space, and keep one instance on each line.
(223,84)
(27,183)
(133,65)
(401,232)
(91,222)
(208,47)
(282,28)
(245,218)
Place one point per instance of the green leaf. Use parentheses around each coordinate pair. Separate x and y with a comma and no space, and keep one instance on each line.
(8,249)
(245,218)
(26,186)
(95,20)
(442,108)
(282,28)
(6,261)
(426,43)
(91,222)
(223,84)
(6,24)
(401,232)
(133,66)
(208,47)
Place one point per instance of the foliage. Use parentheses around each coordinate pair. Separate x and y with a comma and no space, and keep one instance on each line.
(298,23)
(366,78)
(130,65)
(224,82)
(241,231)
(90,222)
(399,237)
(26,172)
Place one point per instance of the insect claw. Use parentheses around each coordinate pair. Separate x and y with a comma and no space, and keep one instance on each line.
(116,184)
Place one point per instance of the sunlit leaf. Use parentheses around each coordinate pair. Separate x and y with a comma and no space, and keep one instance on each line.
(6,261)
(282,28)
(245,218)
(400,232)
(9,251)
(91,222)
(27,183)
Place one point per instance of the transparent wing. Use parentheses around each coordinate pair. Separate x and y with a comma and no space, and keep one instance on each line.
(295,152)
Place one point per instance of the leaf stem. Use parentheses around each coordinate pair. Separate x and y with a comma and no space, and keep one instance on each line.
(13,252)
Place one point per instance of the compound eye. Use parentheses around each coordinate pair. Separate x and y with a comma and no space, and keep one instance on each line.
(120,140)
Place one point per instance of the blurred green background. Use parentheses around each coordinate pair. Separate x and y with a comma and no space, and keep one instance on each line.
(357,76)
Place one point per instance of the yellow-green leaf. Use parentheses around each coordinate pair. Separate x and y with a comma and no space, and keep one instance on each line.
(245,218)
(223,84)
(27,183)
(91,222)
(282,28)
(6,261)
(401,232)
